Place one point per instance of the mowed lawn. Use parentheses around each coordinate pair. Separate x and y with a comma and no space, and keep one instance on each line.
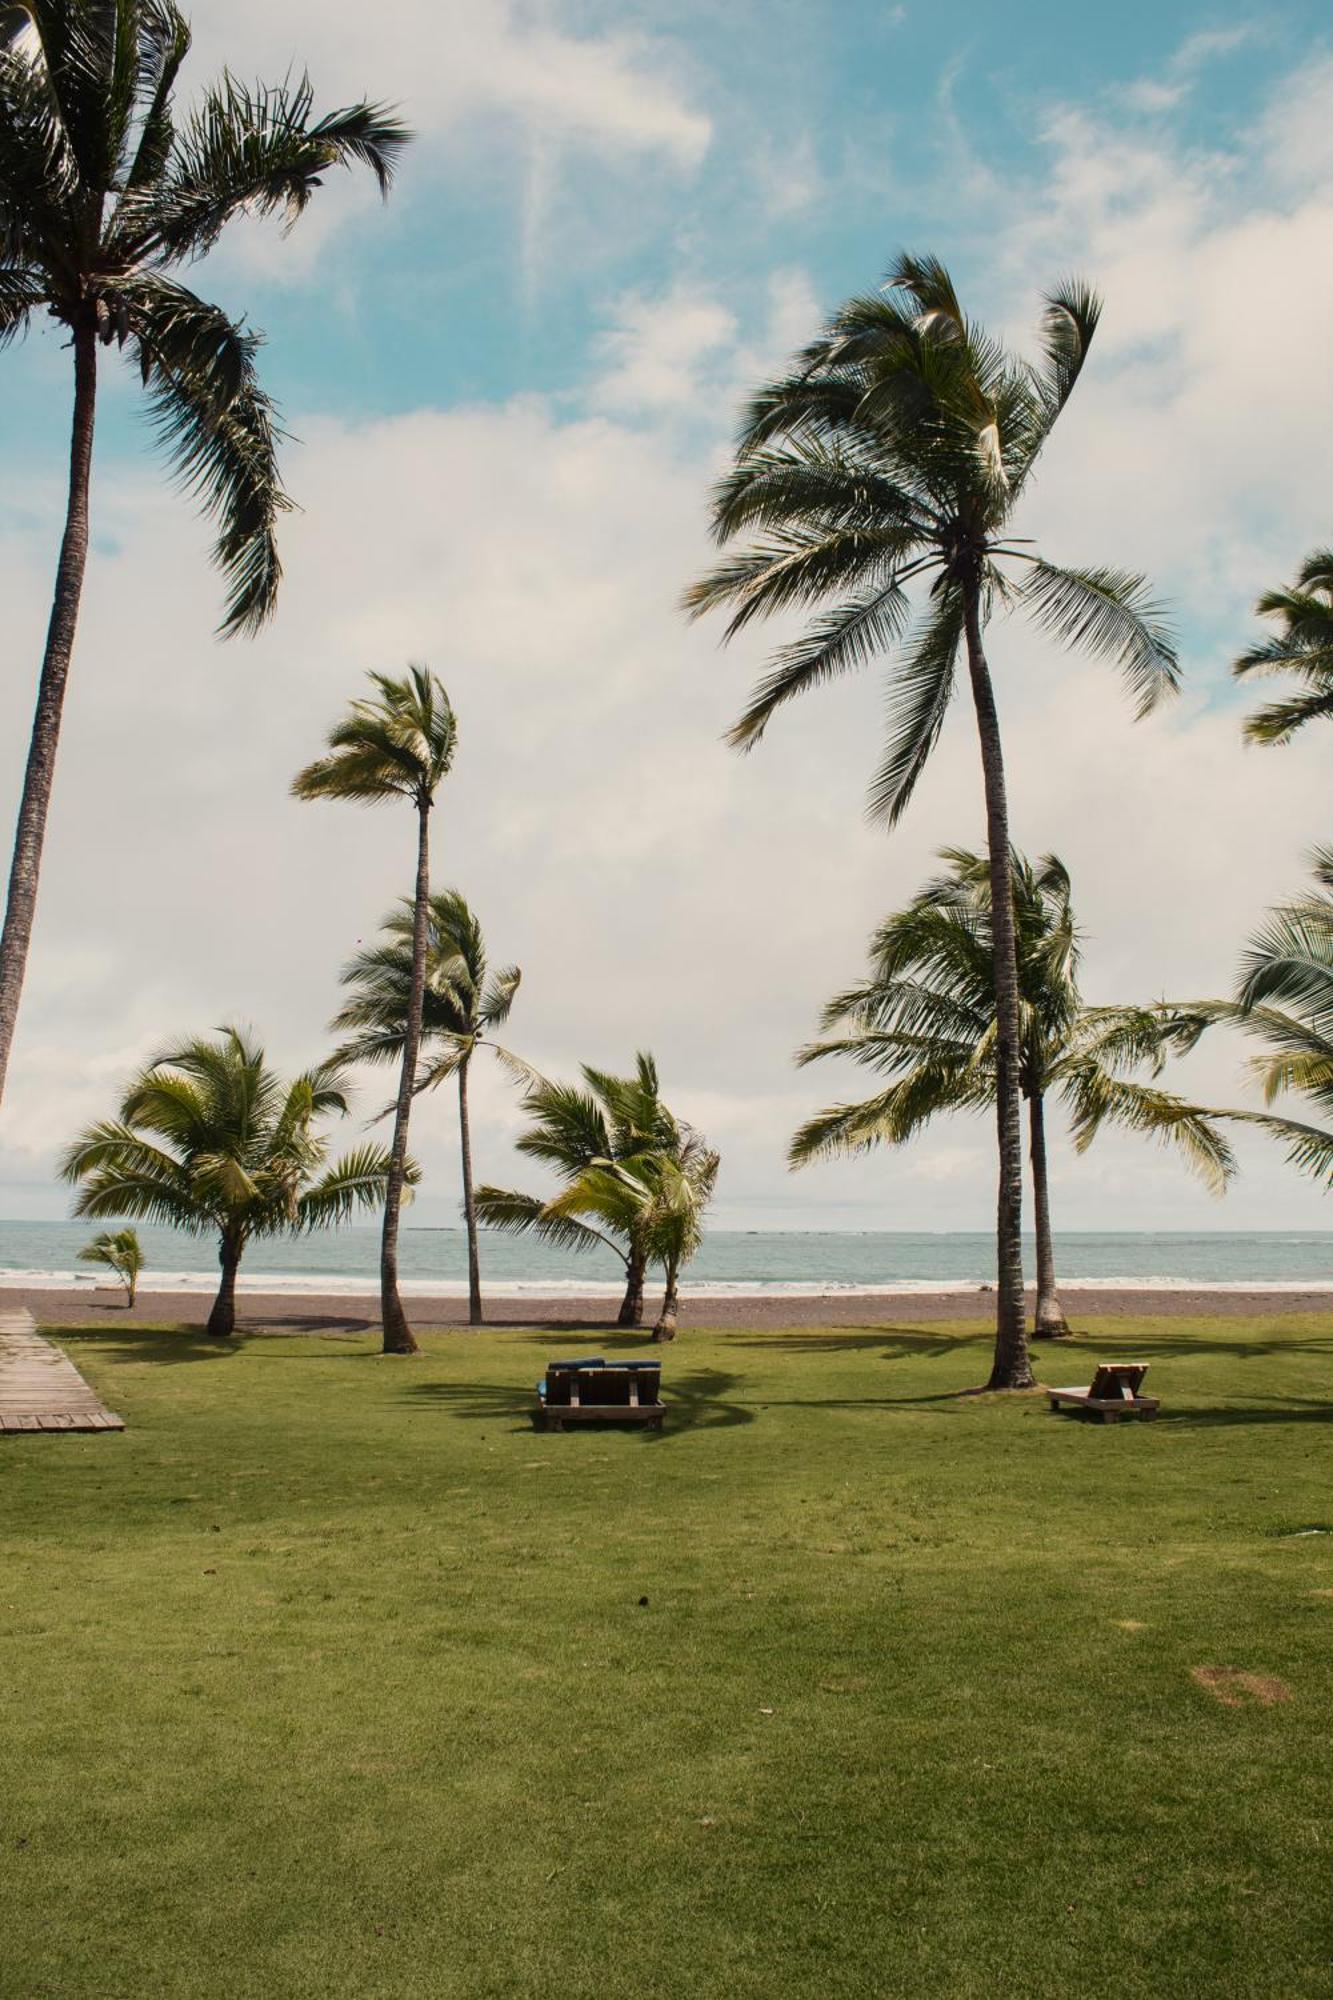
(330,1677)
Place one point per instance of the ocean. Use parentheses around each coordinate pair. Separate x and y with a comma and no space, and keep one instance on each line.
(813,1262)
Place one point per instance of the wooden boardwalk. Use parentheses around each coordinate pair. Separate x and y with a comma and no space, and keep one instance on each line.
(40,1388)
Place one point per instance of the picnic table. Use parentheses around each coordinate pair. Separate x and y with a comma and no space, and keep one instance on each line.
(1112,1394)
(592,1390)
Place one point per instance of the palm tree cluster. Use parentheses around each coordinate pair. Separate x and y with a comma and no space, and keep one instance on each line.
(632,1176)
(888,463)
(925,1020)
(396,743)
(875,493)
(462,1003)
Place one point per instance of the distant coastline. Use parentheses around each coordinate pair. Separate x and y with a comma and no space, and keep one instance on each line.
(42,1257)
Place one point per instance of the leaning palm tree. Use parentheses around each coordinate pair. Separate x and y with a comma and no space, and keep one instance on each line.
(683,1189)
(1302,648)
(895,452)
(462,1004)
(210,1140)
(586,1135)
(397,743)
(105,192)
(1285,1000)
(926,1020)
(118,1250)
(659,1197)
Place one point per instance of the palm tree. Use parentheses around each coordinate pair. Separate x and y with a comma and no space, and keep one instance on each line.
(210,1140)
(897,449)
(120,1251)
(587,1135)
(395,744)
(1302,647)
(462,1003)
(104,192)
(1285,999)
(683,1189)
(926,1019)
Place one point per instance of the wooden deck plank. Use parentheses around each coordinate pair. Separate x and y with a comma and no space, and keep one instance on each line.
(40,1388)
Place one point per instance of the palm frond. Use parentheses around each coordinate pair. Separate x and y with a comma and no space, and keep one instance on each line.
(1097,1098)
(257,149)
(357,1181)
(521,1214)
(836,643)
(920,689)
(21,295)
(1109,612)
(221,434)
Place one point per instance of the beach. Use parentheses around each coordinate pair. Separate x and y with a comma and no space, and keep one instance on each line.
(339,1312)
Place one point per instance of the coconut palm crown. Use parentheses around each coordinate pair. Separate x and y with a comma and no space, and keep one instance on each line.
(925,1018)
(463,1003)
(398,742)
(212,1141)
(877,483)
(1302,648)
(107,191)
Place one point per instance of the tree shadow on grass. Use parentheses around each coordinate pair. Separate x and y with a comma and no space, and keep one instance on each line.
(697,1401)
(1293,1410)
(174,1345)
(129,1343)
(903,1343)
(1182,1346)
(893,1343)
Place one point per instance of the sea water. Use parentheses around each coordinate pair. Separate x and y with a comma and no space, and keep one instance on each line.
(44,1255)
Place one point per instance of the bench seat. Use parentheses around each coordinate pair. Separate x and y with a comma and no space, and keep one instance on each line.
(594,1391)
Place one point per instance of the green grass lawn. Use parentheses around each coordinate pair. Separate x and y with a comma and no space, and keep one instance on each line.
(330,1677)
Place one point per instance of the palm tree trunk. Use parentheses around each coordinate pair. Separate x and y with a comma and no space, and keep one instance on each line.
(222,1319)
(398,1336)
(1012,1368)
(21,905)
(666,1319)
(475,1316)
(1049,1320)
(631,1306)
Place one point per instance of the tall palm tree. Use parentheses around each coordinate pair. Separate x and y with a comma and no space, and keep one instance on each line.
(926,1019)
(210,1140)
(105,191)
(463,1002)
(1302,647)
(586,1134)
(1285,1000)
(895,451)
(397,743)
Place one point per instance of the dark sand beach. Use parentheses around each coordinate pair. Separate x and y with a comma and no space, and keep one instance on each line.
(287,1312)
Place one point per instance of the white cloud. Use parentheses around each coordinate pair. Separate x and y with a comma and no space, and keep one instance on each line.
(654,348)
(1164,92)
(481,81)
(455,60)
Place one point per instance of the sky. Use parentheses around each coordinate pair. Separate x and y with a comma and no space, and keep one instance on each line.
(509,391)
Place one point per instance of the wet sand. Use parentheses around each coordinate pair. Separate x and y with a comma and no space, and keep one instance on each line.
(284,1312)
